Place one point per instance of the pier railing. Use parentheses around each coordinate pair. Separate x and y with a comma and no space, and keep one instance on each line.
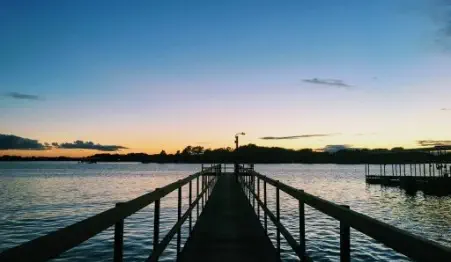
(412,246)
(54,244)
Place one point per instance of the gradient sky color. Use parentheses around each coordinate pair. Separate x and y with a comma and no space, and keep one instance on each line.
(153,75)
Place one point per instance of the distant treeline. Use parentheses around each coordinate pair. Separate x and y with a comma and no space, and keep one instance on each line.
(256,154)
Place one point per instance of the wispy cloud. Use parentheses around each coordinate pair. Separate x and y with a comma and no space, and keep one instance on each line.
(22,96)
(327,82)
(434,142)
(446,109)
(79,144)
(295,137)
(8,142)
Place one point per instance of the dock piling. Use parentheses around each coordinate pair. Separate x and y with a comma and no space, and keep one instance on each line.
(118,239)
(345,240)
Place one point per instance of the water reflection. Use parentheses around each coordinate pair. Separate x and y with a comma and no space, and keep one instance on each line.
(39,197)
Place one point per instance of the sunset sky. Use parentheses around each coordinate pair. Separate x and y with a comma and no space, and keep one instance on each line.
(153,75)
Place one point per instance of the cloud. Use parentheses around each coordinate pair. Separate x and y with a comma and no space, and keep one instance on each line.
(294,137)
(434,142)
(21,96)
(327,82)
(19,143)
(88,145)
(446,109)
(335,148)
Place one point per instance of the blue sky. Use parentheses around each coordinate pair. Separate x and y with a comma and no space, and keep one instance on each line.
(137,74)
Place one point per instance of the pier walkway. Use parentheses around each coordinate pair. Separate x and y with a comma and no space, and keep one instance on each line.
(229,207)
(228,229)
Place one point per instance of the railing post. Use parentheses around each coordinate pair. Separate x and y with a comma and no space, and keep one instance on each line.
(278,218)
(345,240)
(118,239)
(190,196)
(179,216)
(197,195)
(156,224)
(253,191)
(258,197)
(302,225)
(202,191)
(265,201)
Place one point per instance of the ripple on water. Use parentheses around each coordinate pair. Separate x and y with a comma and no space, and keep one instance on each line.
(41,197)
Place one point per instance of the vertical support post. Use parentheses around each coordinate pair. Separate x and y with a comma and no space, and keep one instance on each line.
(415,166)
(380,171)
(424,169)
(278,218)
(197,195)
(302,225)
(258,198)
(404,166)
(345,241)
(202,191)
(156,224)
(400,170)
(265,202)
(253,191)
(179,216)
(118,239)
(190,196)
(384,169)
(392,170)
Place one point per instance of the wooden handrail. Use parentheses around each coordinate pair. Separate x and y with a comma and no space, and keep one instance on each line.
(408,244)
(55,243)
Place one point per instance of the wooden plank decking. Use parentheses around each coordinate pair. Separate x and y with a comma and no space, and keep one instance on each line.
(228,229)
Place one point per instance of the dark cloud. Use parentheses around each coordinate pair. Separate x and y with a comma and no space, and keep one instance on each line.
(16,95)
(434,142)
(294,137)
(335,148)
(88,145)
(20,143)
(327,82)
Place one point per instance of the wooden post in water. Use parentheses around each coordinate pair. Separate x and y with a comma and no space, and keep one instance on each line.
(190,197)
(258,197)
(118,239)
(278,218)
(424,169)
(253,192)
(384,169)
(392,170)
(302,225)
(345,241)
(197,195)
(265,202)
(156,224)
(415,166)
(179,216)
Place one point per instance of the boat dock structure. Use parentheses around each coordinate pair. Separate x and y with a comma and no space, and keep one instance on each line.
(432,176)
(230,204)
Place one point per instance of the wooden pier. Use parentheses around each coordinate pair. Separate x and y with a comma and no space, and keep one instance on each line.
(229,207)
(228,229)
(431,178)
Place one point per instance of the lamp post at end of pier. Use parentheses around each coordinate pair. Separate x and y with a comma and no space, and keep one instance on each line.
(236,148)
(236,138)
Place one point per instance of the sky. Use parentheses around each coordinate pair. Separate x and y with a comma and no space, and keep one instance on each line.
(144,76)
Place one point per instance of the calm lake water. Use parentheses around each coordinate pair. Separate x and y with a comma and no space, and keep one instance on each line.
(39,197)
